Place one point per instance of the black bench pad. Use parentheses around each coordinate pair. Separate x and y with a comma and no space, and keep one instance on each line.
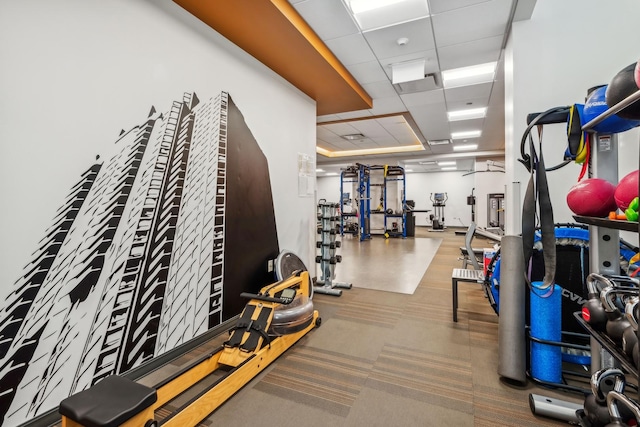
(109,403)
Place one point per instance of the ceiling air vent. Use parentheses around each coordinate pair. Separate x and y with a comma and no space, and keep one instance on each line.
(430,82)
(353,136)
(439,141)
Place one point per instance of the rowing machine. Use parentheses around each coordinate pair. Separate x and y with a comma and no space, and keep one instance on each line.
(271,322)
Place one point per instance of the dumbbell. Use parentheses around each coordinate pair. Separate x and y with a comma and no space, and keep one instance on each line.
(595,404)
(616,322)
(592,311)
(629,335)
(617,414)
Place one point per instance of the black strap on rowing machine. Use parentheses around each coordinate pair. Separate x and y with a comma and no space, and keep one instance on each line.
(257,329)
(538,191)
(237,332)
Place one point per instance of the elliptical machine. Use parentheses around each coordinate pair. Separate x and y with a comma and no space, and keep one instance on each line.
(439,201)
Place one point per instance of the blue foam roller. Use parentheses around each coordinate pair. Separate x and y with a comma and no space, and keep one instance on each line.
(546,324)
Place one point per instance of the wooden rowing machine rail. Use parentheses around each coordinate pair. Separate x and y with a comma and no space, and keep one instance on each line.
(252,346)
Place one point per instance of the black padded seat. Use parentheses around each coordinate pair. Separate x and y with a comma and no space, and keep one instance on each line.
(109,403)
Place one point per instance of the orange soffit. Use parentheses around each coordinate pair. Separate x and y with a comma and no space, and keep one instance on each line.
(275,34)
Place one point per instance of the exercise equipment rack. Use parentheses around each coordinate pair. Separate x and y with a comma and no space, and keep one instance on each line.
(394,222)
(327,230)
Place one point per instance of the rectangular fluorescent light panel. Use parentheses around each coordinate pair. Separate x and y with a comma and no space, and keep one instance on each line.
(449,168)
(331,174)
(468,114)
(428,162)
(466,76)
(319,170)
(359,6)
(407,71)
(451,163)
(465,147)
(375,14)
(466,134)
(408,170)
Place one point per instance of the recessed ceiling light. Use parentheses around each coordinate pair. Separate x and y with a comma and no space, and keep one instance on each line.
(449,168)
(466,76)
(465,147)
(408,170)
(371,15)
(428,162)
(359,6)
(468,114)
(331,174)
(448,163)
(466,134)
(319,170)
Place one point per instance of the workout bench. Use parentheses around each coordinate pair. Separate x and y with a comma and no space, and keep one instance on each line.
(463,275)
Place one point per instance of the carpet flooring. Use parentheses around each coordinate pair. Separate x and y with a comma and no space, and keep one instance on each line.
(384,358)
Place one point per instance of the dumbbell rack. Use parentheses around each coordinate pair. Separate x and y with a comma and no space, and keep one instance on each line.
(327,230)
(603,242)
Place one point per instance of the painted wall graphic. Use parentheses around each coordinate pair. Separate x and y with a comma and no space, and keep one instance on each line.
(151,248)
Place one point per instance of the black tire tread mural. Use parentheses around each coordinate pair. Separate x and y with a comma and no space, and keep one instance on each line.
(151,248)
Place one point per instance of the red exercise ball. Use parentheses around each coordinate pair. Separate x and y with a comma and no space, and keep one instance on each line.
(626,190)
(592,197)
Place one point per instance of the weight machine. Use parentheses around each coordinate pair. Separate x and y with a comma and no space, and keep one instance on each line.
(394,223)
(439,201)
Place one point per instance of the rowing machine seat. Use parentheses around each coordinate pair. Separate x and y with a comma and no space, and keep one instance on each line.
(109,403)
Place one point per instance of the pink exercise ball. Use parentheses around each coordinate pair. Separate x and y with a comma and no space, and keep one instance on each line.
(627,190)
(592,197)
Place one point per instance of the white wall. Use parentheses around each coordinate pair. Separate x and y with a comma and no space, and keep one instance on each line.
(328,188)
(551,60)
(74,73)
(458,187)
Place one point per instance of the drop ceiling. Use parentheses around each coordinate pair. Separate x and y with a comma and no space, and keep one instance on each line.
(357,70)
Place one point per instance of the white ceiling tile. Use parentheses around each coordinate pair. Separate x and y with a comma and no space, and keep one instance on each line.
(326,146)
(439,6)
(351,49)
(482,20)
(367,72)
(431,120)
(390,141)
(382,89)
(423,98)
(387,105)
(482,90)
(384,44)
(340,128)
(465,125)
(370,128)
(470,53)
(328,18)
(322,132)
(462,104)
(327,118)
(353,114)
